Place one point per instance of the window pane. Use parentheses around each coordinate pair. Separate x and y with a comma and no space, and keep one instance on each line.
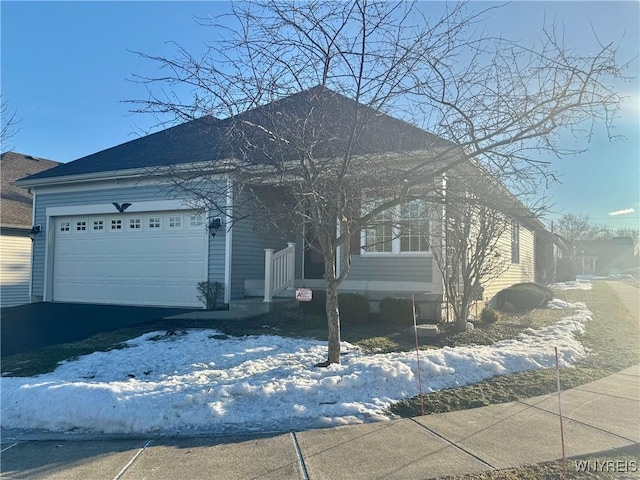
(379,233)
(414,227)
(515,243)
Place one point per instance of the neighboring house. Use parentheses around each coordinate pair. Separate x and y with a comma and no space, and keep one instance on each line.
(15,224)
(602,256)
(551,263)
(155,251)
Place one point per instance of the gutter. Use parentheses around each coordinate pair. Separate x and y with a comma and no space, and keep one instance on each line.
(223,167)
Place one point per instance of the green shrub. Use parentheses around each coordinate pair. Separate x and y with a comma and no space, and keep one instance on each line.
(489,315)
(523,296)
(398,311)
(354,308)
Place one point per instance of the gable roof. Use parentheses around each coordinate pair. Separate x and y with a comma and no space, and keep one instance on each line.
(316,120)
(16,202)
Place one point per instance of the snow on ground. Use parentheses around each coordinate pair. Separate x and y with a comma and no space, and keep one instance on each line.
(202,382)
(557,304)
(573,285)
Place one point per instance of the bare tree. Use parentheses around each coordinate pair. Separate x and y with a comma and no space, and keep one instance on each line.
(8,127)
(476,216)
(576,227)
(484,99)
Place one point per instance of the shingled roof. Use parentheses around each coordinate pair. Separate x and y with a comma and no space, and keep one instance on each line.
(16,202)
(316,120)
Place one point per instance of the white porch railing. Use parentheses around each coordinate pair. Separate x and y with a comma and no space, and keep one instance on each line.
(279,270)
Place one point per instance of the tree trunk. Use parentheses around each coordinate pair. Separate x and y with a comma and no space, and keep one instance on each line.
(333,314)
(463,311)
(461,319)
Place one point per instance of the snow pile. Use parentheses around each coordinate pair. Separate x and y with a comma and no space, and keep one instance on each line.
(573,285)
(557,304)
(203,382)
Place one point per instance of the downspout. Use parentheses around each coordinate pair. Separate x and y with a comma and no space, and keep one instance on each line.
(441,185)
(228,240)
(33,222)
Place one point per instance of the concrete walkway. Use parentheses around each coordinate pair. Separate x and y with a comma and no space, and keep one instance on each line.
(629,295)
(598,417)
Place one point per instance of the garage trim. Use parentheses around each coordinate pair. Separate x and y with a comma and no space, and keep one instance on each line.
(99,208)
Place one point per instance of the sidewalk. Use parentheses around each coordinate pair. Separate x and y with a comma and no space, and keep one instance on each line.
(629,295)
(598,417)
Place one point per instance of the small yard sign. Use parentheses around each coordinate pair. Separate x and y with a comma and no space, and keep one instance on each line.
(304,294)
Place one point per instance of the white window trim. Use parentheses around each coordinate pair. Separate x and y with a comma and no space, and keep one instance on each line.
(94,230)
(113,230)
(168,222)
(191,217)
(140,224)
(76,223)
(147,223)
(395,242)
(69,226)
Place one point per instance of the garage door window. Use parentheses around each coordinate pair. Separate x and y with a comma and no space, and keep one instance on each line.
(196,221)
(65,226)
(135,223)
(98,226)
(175,222)
(116,225)
(153,223)
(81,225)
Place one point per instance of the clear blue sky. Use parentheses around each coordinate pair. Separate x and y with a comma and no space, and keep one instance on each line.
(67,66)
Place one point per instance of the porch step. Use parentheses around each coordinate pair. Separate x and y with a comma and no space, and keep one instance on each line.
(256,305)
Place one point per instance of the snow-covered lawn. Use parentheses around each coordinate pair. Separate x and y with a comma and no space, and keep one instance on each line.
(199,381)
(573,285)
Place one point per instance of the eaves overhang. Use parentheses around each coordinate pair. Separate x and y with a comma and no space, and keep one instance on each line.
(220,167)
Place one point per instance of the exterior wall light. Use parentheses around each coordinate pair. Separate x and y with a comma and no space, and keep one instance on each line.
(214,226)
(35,230)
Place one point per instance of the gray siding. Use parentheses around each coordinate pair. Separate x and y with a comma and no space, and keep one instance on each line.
(136,193)
(216,258)
(247,258)
(397,268)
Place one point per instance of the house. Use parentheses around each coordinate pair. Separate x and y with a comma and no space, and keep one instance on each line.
(115,229)
(602,256)
(15,224)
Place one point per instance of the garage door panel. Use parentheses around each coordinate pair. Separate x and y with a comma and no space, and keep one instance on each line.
(136,266)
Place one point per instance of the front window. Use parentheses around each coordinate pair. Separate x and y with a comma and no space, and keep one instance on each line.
(400,229)
(379,233)
(414,227)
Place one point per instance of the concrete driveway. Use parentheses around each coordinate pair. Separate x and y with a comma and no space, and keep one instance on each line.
(29,327)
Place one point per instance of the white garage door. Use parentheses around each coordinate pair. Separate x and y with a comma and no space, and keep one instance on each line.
(130,259)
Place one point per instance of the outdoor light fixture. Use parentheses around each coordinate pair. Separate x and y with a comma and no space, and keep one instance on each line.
(35,230)
(214,226)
